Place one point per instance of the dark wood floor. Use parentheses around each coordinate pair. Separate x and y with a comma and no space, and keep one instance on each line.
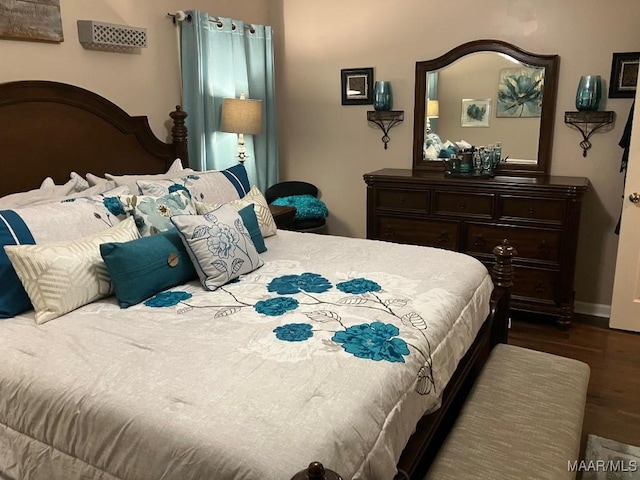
(613,401)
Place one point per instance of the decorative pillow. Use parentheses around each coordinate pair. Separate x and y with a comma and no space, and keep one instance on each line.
(151,213)
(47,182)
(212,186)
(60,277)
(307,206)
(248,215)
(68,219)
(80,183)
(219,245)
(130,180)
(141,268)
(254,197)
(36,196)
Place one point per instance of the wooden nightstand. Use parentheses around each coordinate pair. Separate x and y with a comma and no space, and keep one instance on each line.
(283,216)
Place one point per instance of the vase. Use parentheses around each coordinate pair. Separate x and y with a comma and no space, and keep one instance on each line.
(382,96)
(589,92)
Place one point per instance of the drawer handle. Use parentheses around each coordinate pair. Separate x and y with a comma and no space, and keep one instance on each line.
(389,232)
(531,211)
(480,242)
(463,206)
(544,248)
(401,200)
(541,288)
(443,238)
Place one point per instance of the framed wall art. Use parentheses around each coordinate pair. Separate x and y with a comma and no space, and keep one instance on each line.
(357,86)
(624,75)
(476,113)
(520,92)
(36,20)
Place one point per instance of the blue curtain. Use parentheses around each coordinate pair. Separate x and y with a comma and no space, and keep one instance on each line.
(222,58)
(432,94)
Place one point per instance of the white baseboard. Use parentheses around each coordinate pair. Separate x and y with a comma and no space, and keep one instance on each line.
(593,309)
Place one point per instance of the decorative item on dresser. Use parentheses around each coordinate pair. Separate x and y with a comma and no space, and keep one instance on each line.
(539,217)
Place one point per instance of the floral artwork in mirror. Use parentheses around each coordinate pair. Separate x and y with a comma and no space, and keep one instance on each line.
(476,113)
(520,92)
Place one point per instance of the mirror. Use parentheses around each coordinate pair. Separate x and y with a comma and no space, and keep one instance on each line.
(487,91)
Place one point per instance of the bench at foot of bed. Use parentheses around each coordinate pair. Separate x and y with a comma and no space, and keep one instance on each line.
(523,419)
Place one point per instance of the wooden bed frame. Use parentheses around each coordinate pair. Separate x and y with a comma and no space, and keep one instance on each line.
(48,129)
(51,129)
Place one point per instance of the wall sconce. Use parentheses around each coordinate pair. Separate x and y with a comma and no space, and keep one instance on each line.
(241,116)
(385,121)
(588,122)
(433,111)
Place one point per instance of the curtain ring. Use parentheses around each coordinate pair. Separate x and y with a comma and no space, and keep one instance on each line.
(233,26)
(252,30)
(219,24)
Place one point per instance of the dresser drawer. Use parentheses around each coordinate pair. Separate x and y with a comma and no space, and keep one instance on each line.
(530,243)
(433,233)
(413,200)
(463,204)
(535,283)
(532,209)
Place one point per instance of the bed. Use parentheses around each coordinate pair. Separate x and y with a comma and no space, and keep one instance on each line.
(350,352)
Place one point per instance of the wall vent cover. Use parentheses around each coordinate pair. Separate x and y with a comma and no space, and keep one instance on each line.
(110,36)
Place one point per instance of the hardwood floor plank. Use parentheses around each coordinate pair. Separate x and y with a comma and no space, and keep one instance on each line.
(613,397)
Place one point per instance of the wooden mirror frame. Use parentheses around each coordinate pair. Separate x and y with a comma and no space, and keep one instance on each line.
(547,116)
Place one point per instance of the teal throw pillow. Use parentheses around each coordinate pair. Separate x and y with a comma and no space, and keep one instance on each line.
(141,268)
(307,206)
(250,220)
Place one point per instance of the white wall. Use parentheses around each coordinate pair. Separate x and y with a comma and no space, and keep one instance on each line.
(332,146)
(142,84)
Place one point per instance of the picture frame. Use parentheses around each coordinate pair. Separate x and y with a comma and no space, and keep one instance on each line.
(357,86)
(624,74)
(476,112)
(33,20)
(520,92)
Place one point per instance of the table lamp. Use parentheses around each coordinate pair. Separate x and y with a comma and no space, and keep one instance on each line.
(242,116)
(433,110)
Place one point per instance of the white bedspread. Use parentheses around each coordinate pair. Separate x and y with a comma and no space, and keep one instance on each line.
(253,381)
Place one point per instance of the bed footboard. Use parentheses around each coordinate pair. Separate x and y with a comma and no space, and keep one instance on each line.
(432,429)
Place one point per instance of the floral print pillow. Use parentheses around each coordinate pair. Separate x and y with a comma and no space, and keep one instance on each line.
(150,213)
(219,245)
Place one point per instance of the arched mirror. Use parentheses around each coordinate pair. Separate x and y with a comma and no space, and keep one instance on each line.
(487,92)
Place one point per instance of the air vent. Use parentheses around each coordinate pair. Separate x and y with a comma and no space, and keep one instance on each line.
(109,36)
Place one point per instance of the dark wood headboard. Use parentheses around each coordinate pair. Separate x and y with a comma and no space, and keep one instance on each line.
(48,129)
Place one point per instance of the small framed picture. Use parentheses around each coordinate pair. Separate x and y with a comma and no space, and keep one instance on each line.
(357,86)
(624,75)
(476,113)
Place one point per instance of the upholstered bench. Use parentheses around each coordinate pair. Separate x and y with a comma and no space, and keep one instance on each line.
(522,420)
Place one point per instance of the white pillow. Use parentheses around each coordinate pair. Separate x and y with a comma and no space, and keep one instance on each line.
(265,219)
(218,244)
(80,183)
(130,180)
(47,192)
(60,277)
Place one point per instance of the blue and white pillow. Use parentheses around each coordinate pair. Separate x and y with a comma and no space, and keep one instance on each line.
(210,186)
(152,213)
(219,245)
(69,219)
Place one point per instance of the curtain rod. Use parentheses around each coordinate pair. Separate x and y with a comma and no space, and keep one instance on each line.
(180,16)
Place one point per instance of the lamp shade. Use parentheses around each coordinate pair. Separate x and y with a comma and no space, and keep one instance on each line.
(433,108)
(241,115)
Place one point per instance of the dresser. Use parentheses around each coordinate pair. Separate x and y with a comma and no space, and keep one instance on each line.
(539,216)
